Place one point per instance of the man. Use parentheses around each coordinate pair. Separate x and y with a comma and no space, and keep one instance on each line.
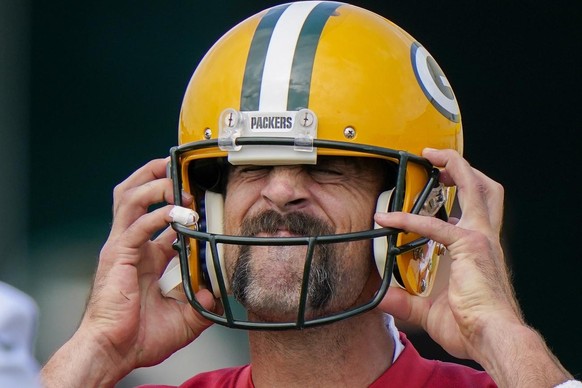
(304,182)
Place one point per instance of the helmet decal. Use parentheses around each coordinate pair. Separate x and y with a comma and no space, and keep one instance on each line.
(433,82)
(278,69)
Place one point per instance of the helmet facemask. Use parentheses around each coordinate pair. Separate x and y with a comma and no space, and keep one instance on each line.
(201,248)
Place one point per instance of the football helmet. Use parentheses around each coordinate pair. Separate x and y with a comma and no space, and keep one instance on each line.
(298,81)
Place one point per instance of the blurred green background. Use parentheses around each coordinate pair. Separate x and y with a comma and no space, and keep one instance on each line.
(89,91)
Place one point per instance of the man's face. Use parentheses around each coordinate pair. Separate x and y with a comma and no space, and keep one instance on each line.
(338,195)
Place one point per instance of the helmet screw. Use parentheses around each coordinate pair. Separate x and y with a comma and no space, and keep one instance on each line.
(349,132)
(207,133)
(423,285)
(231,119)
(305,118)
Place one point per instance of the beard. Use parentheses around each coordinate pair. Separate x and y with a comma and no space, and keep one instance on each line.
(267,280)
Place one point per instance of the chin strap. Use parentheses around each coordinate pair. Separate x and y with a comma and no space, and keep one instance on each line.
(171,281)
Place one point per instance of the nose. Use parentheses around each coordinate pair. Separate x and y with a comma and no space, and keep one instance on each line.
(286,188)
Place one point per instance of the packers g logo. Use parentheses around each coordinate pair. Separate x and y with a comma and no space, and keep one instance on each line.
(433,83)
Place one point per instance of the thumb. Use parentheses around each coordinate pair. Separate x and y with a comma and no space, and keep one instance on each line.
(404,306)
(196,322)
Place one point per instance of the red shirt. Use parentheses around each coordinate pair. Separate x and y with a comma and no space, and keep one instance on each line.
(409,370)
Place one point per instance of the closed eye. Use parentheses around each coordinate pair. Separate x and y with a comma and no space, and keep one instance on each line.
(253,168)
(324,170)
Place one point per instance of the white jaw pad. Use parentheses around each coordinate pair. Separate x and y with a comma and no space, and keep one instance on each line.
(214,203)
(381,243)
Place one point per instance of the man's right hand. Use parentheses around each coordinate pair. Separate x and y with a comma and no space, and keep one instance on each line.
(128,323)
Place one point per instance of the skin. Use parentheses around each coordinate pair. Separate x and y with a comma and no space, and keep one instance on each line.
(319,191)
(128,324)
(315,191)
(477,316)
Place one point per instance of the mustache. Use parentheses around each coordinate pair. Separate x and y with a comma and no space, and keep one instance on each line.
(270,221)
(323,277)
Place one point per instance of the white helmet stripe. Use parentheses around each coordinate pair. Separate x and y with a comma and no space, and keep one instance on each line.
(279,60)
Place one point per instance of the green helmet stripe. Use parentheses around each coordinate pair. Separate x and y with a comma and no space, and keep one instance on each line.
(255,66)
(300,80)
(280,61)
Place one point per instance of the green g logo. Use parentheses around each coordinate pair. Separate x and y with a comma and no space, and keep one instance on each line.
(433,82)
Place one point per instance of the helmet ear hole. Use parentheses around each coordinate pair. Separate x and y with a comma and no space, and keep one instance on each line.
(207,174)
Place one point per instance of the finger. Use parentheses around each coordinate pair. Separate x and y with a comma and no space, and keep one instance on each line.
(154,169)
(136,201)
(433,228)
(124,248)
(166,241)
(495,196)
(405,307)
(132,203)
(471,189)
(196,322)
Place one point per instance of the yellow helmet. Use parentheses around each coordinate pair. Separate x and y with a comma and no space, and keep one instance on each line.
(305,79)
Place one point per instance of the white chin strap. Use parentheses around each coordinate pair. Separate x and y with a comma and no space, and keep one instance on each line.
(381,243)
